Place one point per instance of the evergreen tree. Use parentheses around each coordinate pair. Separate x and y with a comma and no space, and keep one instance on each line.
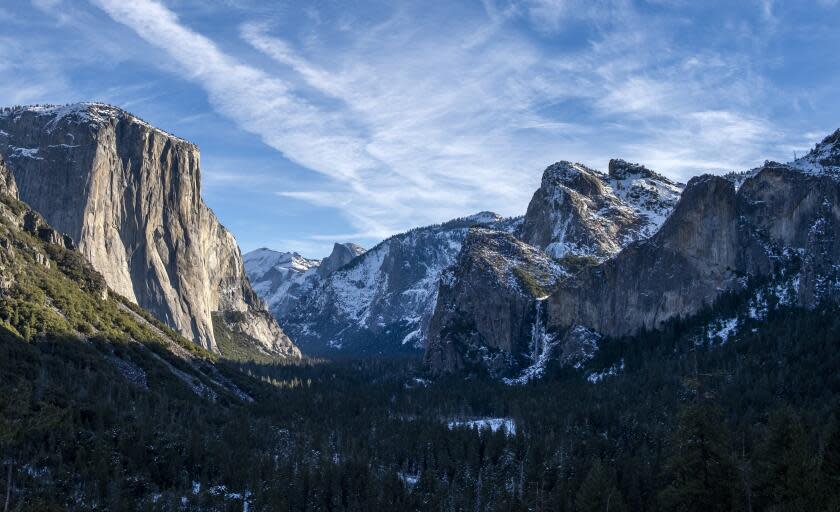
(598,492)
(831,466)
(787,471)
(699,470)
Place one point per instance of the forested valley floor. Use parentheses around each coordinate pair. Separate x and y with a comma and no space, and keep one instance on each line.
(750,424)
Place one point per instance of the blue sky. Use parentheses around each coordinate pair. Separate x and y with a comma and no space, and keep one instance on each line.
(353,120)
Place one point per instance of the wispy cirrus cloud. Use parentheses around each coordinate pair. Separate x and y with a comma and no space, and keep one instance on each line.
(404,139)
(415,114)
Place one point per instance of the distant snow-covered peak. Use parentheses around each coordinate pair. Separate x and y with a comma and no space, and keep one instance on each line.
(261,261)
(484,217)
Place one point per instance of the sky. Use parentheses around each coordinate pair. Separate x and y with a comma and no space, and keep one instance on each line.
(325,121)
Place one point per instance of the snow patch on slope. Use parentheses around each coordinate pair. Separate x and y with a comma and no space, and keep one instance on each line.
(506,425)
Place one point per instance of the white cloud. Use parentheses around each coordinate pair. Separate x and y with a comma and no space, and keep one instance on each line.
(415,138)
(259,102)
(415,123)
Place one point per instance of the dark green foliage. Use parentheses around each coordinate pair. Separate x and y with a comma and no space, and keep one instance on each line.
(73,265)
(346,435)
(786,477)
(598,492)
(830,468)
(699,469)
(531,282)
(686,425)
(574,263)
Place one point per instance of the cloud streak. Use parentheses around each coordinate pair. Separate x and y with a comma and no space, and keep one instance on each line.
(416,119)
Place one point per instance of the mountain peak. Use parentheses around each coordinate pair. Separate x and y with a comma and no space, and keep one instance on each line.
(574,176)
(485,217)
(823,159)
(620,169)
(565,170)
(341,255)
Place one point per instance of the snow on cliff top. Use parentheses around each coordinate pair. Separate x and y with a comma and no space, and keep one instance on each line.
(88,112)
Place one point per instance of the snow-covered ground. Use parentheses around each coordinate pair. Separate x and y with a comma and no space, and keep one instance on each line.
(506,425)
(596,377)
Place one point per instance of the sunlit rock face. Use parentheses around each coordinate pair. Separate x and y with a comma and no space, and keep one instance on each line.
(717,238)
(579,211)
(130,195)
(636,250)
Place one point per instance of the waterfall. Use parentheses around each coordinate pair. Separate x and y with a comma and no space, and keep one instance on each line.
(539,347)
(539,337)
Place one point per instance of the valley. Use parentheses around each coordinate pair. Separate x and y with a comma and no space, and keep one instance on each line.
(673,345)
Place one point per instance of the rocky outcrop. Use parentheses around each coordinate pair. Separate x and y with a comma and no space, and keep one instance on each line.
(714,241)
(579,216)
(341,255)
(778,225)
(7,180)
(381,301)
(130,195)
(489,302)
(578,211)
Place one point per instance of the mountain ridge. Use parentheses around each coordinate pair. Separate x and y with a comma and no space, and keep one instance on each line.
(723,233)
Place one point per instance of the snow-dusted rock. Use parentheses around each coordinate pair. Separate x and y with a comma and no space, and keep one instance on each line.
(489,306)
(715,240)
(578,211)
(130,195)
(823,160)
(658,251)
(382,300)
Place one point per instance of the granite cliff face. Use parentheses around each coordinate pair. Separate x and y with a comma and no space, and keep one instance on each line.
(130,195)
(382,300)
(20,217)
(778,225)
(489,302)
(716,238)
(7,180)
(578,211)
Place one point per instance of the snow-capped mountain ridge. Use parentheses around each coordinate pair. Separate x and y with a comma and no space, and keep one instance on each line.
(382,300)
(579,211)
(282,278)
(263,260)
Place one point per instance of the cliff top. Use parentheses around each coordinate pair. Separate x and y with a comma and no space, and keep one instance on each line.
(91,113)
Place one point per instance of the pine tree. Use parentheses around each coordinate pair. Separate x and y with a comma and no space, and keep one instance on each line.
(700,472)
(831,466)
(598,492)
(787,470)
